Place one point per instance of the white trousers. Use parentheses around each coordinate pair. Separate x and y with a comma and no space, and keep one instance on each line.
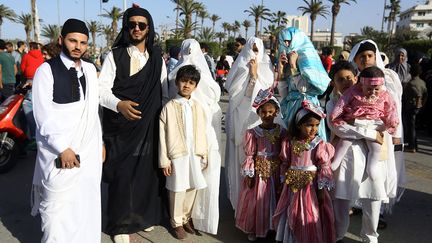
(370,218)
(181,204)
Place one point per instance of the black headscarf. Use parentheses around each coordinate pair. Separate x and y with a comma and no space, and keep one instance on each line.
(123,38)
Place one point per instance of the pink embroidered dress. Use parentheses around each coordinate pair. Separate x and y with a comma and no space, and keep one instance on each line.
(256,205)
(353,105)
(305,168)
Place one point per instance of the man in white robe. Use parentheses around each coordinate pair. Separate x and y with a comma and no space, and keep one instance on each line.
(68,131)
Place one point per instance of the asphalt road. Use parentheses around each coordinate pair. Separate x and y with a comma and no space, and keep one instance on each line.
(410,222)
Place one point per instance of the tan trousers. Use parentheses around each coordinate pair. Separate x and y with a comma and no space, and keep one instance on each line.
(181,204)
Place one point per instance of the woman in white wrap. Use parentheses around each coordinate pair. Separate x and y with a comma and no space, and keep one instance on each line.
(251,72)
(205,212)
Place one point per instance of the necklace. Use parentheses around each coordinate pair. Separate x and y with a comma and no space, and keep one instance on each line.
(299,146)
(272,135)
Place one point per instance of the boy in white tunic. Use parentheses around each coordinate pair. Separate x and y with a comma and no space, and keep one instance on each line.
(183,150)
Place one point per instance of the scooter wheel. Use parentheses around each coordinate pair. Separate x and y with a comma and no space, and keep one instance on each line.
(8,150)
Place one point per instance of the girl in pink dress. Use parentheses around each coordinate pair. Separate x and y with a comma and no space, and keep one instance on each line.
(366,105)
(258,194)
(304,213)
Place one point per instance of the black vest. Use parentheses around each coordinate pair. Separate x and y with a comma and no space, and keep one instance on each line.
(66,86)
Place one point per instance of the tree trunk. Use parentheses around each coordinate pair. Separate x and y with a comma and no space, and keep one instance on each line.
(333,30)
(177,19)
(312,30)
(28,36)
(256,26)
(246,30)
(35,20)
(94,42)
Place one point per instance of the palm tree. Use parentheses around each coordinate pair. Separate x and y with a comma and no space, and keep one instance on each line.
(225,26)
(246,24)
(187,28)
(6,13)
(177,14)
(26,20)
(220,36)
(35,18)
(199,8)
(258,12)
(335,11)
(187,8)
(51,31)
(114,14)
(214,18)
(272,30)
(391,18)
(106,30)
(278,17)
(203,15)
(206,34)
(94,27)
(236,27)
(313,8)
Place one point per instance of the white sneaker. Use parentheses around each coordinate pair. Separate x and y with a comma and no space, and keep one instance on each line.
(252,237)
(122,238)
(149,229)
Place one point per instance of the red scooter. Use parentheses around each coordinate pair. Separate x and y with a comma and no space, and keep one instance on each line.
(12,135)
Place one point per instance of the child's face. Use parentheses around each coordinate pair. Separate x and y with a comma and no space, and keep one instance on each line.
(343,79)
(267,113)
(186,87)
(365,59)
(309,128)
(371,90)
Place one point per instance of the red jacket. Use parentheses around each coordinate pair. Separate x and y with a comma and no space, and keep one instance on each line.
(30,62)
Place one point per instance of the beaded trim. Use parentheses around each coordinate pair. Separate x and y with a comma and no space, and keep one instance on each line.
(265,168)
(298,179)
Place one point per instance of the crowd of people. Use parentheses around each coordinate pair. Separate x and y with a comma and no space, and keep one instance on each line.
(295,163)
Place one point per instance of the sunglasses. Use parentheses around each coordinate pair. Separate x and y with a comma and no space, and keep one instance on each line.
(141,25)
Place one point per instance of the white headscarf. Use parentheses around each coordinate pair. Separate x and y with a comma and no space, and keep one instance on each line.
(208,91)
(238,76)
(237,82)
(379,61)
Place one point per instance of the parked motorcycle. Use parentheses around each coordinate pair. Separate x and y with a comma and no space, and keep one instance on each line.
(12,135)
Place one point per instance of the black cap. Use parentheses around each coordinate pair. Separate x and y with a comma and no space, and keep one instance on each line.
(74,25)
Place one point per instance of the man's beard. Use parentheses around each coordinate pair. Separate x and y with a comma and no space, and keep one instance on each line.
(137,41)
(67,53)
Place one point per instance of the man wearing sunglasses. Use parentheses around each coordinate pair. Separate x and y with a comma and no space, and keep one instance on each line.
(132,89)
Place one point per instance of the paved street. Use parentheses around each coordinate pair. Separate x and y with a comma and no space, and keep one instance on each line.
(410,222)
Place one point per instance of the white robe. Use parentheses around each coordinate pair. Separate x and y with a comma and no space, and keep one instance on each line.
(241,115)
(69,200)
(205,212)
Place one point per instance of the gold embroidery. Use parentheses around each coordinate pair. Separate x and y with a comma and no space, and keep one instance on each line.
(265,168)
(298,179)
(273,135)
(300,146)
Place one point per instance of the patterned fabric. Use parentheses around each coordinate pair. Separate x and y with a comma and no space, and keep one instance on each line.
(309,62)
(353,105)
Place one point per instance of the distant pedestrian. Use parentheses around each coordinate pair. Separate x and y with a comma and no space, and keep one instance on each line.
(413,99)
(18,54)
(209,59)
(400,65)
(8,72)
